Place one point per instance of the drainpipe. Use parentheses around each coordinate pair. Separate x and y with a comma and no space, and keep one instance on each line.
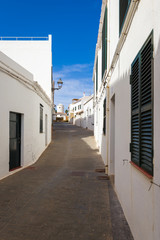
(107,113)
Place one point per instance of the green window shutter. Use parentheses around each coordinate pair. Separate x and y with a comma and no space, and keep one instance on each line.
(135,73)
(146,108)
(104,116)
(141,108)
(104,44)
(106,38)
(96,74)
(123,9)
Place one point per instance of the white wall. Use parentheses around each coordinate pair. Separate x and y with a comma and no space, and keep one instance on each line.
(141,205)
(19,96)
(88,119)
(35,56)
(98,109)
(83,117)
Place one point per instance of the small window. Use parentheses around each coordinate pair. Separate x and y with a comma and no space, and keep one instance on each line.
(104,117)
(123,9)
(41,118)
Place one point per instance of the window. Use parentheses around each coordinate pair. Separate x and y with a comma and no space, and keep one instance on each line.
(41,118)
(141,108)
(104,44)
(96,74)
(104,116)
(123,9)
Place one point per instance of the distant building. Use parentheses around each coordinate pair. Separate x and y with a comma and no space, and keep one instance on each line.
(60,108)
(88,118)
(81,112)
(27,101)
(60,115)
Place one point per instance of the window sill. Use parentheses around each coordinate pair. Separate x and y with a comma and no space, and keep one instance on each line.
(141,170)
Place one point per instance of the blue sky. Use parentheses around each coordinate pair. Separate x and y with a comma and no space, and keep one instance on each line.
(74,28)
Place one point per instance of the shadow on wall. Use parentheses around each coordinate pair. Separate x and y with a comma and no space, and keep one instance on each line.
(84,122)
(117,126)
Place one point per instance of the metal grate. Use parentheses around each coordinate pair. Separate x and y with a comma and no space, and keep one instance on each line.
(78,174)
(100,170)
(103,177)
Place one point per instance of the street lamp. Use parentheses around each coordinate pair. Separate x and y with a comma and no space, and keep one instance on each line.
(60,83)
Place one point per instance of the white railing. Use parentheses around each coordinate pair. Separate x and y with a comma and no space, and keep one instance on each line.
(24,38)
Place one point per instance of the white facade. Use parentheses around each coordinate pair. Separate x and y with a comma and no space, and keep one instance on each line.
(81,112)
(34,55)
(137,190)
(88,120)
(62,116)
(60,108)
(22,96)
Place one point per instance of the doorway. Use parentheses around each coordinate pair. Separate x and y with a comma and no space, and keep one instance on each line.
(46,130)
(112,138)
(14,140)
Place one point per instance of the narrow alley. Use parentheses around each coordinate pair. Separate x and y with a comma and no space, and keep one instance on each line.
(61,196)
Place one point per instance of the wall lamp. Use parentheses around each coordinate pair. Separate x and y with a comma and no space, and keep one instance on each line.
(60,83)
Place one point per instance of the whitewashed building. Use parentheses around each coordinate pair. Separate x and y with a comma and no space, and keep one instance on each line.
(25,103)
(60,115)
(126,107)
(88,116)
(60,108)
(71,110)
(81,112)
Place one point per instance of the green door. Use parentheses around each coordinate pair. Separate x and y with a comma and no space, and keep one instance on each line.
(15,141)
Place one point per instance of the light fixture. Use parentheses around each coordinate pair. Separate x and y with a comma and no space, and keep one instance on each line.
(60,83)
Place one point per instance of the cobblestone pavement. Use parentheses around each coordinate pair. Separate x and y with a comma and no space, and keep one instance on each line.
(60,196)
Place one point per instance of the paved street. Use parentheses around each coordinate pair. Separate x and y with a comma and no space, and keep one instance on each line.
(61,197)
